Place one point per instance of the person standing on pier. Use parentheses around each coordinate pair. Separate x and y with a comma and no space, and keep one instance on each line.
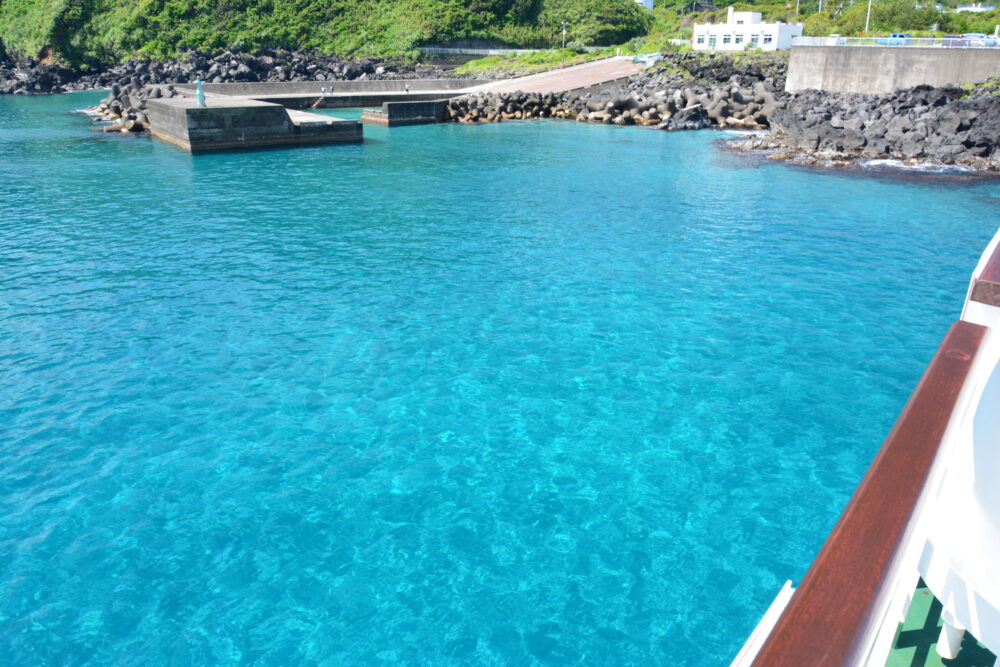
(199,94)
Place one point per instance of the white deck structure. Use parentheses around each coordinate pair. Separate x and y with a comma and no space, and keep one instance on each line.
(958,561)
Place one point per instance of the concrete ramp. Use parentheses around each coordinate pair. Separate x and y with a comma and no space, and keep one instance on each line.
(561,80)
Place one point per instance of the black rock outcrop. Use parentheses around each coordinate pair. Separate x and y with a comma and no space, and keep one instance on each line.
(947,125)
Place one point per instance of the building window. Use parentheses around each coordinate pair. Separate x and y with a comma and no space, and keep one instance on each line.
(739,39)
(726,39)
(739,23)
(767,39)
(754,39)
(701,39)
(711,41)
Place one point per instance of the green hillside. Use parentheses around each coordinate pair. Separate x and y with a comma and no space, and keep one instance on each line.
(109,30)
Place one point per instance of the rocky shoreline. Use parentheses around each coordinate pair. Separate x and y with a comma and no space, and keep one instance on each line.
(948,126)
(945,126)
(31,77)
(685,92)
(133,82)
(125,106)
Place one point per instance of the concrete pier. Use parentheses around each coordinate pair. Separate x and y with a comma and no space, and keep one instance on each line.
(571,78)
(286,88)
(265,114)
(241,123)
(341,94)
(405,113)
(345,100)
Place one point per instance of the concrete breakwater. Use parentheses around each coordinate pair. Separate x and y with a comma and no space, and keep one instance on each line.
(126,106)
(685,93)
(309,95)
(240,123)
(126,103)
(280,89)
(949,126)
(687,108)
(228,123)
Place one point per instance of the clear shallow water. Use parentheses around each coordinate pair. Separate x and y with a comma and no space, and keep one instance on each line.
(528,393)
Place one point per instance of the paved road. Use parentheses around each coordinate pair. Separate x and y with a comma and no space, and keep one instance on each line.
(559,80)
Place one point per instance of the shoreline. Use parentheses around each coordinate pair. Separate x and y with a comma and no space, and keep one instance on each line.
(922,127)
(768,148)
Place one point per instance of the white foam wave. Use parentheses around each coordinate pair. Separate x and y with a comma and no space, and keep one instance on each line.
(744,133)
(916,166)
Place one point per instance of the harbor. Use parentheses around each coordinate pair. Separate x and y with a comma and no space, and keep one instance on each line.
(216,117)
(542,334)
(419,361)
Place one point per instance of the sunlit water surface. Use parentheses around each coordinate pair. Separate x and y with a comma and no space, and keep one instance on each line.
(526,393)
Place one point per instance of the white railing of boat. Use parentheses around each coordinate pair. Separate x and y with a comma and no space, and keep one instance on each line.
(756,639)
(858,589)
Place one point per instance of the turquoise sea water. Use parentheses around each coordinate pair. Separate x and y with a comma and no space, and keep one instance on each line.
(527,393)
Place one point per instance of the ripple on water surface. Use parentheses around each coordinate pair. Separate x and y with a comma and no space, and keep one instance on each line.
(524,393)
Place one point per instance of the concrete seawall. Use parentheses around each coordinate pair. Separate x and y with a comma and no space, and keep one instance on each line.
(276,88)
(339,100)
(884,69)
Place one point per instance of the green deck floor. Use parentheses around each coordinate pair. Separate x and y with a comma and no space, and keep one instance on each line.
(915,644)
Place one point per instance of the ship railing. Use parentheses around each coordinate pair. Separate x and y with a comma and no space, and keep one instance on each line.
(846,610)
(957,42)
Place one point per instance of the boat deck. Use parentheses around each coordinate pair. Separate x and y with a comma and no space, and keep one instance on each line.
(916,639)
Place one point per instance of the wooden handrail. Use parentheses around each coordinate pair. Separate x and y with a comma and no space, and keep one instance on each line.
(829,618)
(987,287)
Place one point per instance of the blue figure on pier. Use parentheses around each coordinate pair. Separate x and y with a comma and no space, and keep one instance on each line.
(199,94)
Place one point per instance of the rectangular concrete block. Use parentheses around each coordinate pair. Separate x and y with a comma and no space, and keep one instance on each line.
(885,69)
(406,113)
(241,123)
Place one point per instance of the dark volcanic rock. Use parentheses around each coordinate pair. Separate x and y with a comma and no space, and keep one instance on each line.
(692,118)
(27,76)
(685,92)
(946,125)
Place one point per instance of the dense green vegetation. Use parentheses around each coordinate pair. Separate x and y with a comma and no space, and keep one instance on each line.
(82,30)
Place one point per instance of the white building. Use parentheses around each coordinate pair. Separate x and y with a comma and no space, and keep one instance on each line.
(648,4)
(743,30)
(976,8)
